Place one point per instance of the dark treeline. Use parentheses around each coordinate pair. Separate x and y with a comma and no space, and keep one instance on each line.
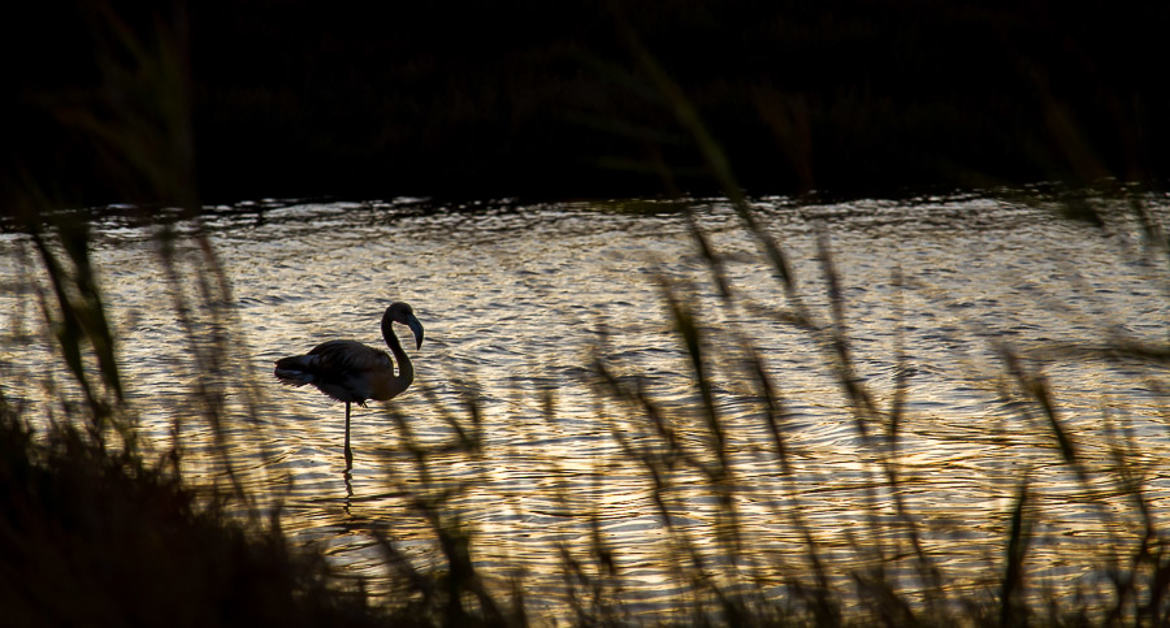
(523,98)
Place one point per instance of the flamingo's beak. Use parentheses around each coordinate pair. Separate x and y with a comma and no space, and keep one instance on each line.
(417,328)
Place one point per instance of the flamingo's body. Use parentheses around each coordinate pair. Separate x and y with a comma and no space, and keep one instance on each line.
(352,372)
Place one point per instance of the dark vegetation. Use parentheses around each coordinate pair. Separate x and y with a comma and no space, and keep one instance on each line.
(99,529)
(525,98)
(93,536)
(235,99)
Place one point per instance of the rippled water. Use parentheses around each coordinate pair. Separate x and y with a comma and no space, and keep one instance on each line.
(518,300)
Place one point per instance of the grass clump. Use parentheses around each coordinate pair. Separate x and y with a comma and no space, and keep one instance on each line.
(94,536)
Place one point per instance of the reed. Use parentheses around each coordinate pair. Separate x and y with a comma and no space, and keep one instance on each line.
(87,494)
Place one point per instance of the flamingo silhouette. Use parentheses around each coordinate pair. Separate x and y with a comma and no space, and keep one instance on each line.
(352,372)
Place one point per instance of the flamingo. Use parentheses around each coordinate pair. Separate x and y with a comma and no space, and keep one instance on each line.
(352,372)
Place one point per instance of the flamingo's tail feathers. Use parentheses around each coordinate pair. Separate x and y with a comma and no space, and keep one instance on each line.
(295,371)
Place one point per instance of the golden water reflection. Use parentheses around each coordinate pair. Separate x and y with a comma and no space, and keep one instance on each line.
(519,302)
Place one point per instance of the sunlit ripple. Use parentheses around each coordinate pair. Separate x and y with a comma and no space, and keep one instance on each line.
(519,299)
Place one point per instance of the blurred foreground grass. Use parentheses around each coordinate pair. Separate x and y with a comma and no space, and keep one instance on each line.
(103,525)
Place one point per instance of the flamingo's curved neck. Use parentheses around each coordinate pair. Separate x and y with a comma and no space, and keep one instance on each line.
(405,368)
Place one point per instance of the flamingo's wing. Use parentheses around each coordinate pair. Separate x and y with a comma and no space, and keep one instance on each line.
(349,371)
(348,357)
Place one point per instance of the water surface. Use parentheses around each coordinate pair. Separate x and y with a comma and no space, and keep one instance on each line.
(519,300)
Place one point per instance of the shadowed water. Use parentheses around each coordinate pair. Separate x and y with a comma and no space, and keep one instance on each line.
(518,301)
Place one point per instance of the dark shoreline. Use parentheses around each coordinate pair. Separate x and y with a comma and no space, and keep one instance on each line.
(539,101)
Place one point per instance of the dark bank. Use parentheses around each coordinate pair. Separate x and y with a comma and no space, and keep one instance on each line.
(530,99)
